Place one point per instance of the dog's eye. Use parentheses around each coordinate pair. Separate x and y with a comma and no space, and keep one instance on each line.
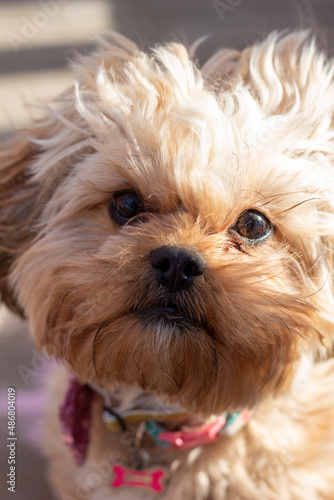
(125,205)
(253,226)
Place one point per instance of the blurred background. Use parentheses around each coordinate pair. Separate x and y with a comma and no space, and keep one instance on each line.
(37,38)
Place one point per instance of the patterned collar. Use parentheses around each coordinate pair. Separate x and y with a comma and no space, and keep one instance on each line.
(182,436)
(168,426)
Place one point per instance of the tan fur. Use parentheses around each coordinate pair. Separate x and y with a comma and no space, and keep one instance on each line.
(251,130)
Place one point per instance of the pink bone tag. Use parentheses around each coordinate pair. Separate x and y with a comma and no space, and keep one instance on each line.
(138,479)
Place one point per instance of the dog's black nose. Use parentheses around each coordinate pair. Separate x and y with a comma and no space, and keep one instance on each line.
(176,268)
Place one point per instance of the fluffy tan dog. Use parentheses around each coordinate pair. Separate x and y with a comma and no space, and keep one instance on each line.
(169,234)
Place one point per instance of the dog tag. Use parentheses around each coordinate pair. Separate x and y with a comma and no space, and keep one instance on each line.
(149,479)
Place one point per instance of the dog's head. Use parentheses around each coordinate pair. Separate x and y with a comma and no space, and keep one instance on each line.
(173,228)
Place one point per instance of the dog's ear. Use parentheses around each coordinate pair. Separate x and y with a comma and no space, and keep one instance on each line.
(32,166)
(19,207)
(36,161)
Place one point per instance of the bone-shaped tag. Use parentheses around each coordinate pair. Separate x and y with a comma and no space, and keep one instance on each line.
(151,479)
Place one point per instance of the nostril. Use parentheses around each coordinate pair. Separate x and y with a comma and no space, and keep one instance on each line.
(164,265)
(160,259)
(188,270)
(193,267)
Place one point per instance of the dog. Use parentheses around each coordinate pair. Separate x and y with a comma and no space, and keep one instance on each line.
(168,232)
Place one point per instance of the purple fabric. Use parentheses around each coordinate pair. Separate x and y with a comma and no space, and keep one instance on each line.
(75,418)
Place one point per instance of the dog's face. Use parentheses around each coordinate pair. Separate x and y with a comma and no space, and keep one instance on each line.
(173,229)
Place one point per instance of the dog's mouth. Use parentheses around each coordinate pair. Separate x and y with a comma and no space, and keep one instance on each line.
(171,314)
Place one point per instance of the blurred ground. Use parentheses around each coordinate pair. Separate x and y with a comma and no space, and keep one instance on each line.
(36,40)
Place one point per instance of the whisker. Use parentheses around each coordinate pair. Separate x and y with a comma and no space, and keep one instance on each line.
(296,205)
